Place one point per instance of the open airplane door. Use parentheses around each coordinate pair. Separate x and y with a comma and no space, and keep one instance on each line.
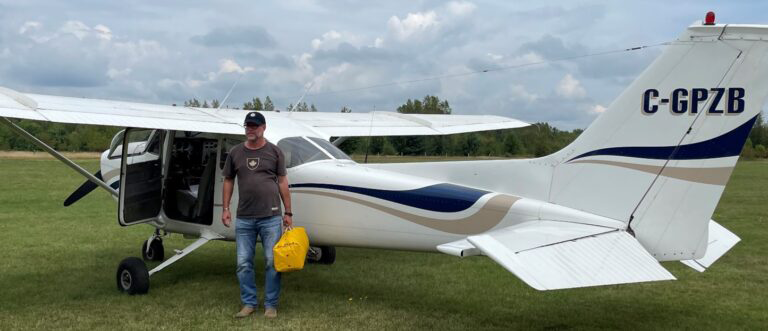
(141,177)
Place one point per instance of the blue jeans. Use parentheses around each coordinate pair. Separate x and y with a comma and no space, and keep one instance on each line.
(270,229)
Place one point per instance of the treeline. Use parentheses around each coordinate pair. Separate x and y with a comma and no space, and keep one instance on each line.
(755,147)
(62,137)
(536,140)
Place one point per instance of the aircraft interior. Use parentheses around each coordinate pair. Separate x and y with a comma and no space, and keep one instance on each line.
(189,185)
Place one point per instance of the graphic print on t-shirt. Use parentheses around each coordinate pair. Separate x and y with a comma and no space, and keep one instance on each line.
(253,162)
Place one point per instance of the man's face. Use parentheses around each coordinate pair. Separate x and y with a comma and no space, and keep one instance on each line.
(254,132)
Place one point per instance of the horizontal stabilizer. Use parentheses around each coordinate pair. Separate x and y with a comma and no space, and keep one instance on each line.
(550,255)
(720,242)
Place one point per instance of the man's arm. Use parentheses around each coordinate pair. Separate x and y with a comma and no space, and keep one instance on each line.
(226,215)
(285,194)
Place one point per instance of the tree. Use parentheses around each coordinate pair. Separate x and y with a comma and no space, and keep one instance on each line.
(511,145)
(268,105)
(254,104)
(345,109)
(289,108)
(430,105)
(313,108)
(301,107)
(759,133)
(215,103)
(192,103)
(205,104)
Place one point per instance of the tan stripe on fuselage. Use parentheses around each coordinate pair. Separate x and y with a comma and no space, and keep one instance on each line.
(483,220)
(713,176)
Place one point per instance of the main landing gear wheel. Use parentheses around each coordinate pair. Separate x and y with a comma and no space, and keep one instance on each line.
(156,252)
(327,255)
(132,276)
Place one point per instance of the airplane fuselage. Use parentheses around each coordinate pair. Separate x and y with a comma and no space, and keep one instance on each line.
(338,201)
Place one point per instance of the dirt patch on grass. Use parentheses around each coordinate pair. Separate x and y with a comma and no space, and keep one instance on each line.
(44,155)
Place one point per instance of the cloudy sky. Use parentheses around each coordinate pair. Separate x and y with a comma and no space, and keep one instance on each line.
(348,52)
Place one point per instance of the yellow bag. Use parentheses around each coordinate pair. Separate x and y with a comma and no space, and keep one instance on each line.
(291,251)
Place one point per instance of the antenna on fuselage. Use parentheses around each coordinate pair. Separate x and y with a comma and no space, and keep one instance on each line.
(370,129)
(306,90)
(230,91)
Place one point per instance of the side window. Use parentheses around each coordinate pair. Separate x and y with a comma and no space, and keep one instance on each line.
(226,145)
(298,150)
(330,148)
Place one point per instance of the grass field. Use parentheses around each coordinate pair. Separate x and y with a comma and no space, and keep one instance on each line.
(57,269)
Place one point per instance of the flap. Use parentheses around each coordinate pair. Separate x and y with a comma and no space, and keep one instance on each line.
(550,255)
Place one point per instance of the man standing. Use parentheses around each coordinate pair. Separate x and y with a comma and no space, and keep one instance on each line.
(261,177)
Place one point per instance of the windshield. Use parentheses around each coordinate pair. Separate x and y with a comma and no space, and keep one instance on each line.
(330,148)
(137,138)
(298,150)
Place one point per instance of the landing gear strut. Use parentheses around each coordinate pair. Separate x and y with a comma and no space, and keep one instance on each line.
(132,275)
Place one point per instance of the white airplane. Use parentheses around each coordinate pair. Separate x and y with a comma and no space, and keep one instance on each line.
(637,187)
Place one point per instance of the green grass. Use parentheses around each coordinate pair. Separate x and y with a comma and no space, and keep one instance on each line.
(57,269)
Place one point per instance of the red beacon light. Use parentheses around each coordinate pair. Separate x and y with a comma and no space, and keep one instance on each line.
(710,18)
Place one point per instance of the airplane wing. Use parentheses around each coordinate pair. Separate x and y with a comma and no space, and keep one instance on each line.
(381,123)
(549,255)
(229,121)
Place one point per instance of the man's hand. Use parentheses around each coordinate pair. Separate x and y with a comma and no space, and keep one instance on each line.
(226,217)
(287,220)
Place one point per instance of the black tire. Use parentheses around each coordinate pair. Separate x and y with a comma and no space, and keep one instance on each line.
(132,276)
(156,251)
(327,255)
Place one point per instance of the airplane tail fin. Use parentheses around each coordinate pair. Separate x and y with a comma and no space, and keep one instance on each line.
(659,157)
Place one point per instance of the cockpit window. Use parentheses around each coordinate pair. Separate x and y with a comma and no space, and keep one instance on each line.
(298,150)
(137,141)
(330,148)
(116,146)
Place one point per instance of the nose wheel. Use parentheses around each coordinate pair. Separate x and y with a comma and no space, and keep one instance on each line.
(153,250)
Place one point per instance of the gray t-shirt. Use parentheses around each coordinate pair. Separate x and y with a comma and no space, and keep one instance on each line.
(257,171)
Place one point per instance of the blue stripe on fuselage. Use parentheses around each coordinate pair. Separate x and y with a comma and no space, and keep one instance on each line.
(728,144)
(447,198)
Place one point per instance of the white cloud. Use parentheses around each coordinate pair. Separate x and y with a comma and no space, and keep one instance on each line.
(75,28)
(29,25)
(597,109)
(519,92)
(113,73)
(103,32)
(229,66)
(413,25)
(494,56)
(460,8)
(332,39)
(570,88)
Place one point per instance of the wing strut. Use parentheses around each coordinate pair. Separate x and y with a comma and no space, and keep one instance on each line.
(58,155)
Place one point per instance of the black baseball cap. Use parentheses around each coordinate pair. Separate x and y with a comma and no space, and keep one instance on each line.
(255,118)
